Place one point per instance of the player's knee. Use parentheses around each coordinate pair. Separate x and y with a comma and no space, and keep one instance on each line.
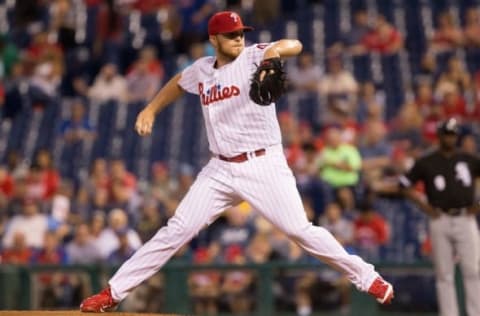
(445,278)
(470,269)
(298,233)
(178,229)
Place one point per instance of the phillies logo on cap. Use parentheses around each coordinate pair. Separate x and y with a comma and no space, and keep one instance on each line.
(226,22)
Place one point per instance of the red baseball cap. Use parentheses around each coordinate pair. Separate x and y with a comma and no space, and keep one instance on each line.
(226,22)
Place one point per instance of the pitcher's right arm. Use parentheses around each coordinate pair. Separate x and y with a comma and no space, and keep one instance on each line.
(168,94)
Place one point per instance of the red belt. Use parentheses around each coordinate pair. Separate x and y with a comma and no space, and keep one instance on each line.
(243,156)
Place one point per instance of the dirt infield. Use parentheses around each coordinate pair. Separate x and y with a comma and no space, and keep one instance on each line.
(71,313)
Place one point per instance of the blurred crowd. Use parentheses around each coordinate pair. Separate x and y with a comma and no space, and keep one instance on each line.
(341,162)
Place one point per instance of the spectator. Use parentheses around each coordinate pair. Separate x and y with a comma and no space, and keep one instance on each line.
(195,51)
(6,184)
(447,35)
(98,177)
(109,32)
(19,253)
(108,85)
(144,75)
(141,84)
(338,82)
(50,176)
(455,74)
(97,225)
(232,237)
(60,212)
(161,186)
(370,104)
(406,127)
(108,239)
(77,128)
(100,201)
(14,90)
(340,227)
(453,104)
(31,223)
(44,83)
(148,55)
(44,49)
(472,28)
(122,185)
(424,98)
(306,75)
(265,12)
(428,67)
(63,23)
(82,249)
(194,15)
(383,38)
(371,232)
(150,221)
(468,144)
(124,249)
(16,165)
(52,251)
(375,151)
(339,163)
(9,56)
(341,115)
(36,187)
(16,202)
(352,40)
(302,165)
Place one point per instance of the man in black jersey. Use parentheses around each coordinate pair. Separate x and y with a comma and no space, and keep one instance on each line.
(449,178)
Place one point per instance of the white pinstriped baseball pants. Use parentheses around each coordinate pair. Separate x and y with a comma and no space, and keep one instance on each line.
(268,184)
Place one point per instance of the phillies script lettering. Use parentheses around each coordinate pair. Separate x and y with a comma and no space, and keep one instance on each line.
(217,93)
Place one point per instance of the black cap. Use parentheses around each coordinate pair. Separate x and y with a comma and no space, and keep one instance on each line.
(450,126)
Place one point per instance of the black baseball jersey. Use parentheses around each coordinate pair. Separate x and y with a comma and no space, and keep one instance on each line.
(449,181)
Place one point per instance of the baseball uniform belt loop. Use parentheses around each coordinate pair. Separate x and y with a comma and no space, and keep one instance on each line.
(456,211)
(243,156)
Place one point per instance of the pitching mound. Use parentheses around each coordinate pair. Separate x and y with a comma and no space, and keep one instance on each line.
(70,313)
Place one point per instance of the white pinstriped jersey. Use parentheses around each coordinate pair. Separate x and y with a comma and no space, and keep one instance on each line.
(234,123)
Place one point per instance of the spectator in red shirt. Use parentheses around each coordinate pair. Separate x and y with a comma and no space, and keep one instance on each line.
(447,35)
(454,105)
(120,175)
(19,252)
(430,123)
(384,38)
(424,97)
(43,49)
(49,175)
(6,183)
(371,231)
(472,27)
(455,74)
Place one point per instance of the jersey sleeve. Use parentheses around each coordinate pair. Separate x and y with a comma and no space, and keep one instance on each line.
(414,175)
(188,80)
(256,51)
